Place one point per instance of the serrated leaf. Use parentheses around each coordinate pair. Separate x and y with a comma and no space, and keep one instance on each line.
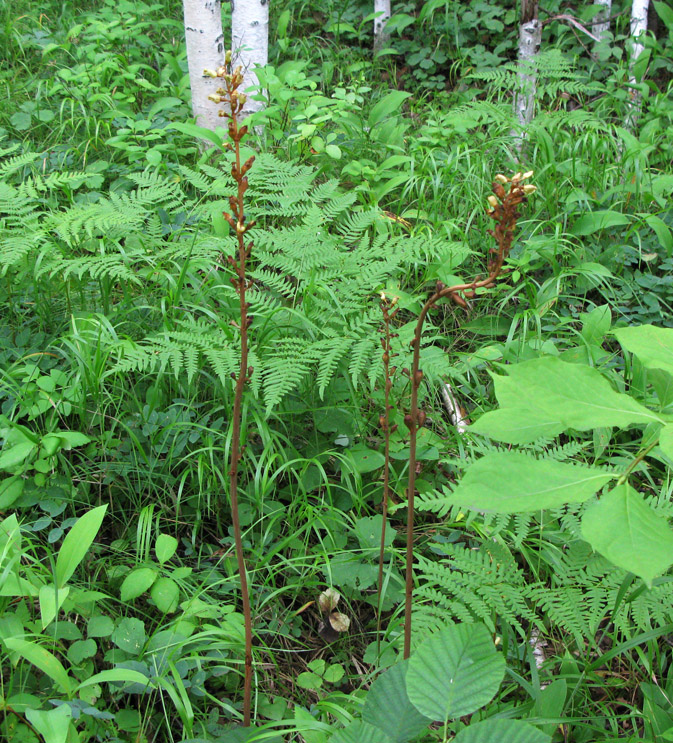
(511,482)
(501,731)
(550,396)
(652,345)
(455,672)
(623,528)
(517,425)
(388,707)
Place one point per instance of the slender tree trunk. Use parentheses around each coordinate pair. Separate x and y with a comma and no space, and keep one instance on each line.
(530,38)
(638,27)
(205,51)
(601,24)
(381,38)
(250,43)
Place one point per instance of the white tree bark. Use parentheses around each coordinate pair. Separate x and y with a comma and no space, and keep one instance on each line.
(205,50)
(530,38)
(601,23)
(250,43)
(639,10)
(381,38)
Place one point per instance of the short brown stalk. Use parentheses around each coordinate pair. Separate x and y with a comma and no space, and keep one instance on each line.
(504,210)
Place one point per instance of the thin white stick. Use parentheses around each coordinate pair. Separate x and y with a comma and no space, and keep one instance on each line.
(456,415)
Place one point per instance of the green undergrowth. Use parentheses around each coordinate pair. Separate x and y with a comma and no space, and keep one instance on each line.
(120,611)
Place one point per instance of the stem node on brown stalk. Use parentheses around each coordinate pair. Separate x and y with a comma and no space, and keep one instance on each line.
(234,101)
(502,208)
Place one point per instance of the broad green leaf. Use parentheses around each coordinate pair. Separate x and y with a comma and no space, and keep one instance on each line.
(666,440)
(15,455)
(10,490)
(360,732)
(665,13)
(115,675)
(162,104)
(653,346)
(387,106)
(99,626)
(199,131)
(387,706)
(165,547)
(623,528)
(362,460)
(20,120)
(334,151)
(81,650)
(129,635)
(72,439)
(51,724)
(455,672)
(51,600)
(511,482)
(592,222)
(77,543)
(548,393)
(43,660)
(368,532)
(550,705)
(596,324)
(661,230)
(517,425)
(166,595)
(137,582)
(501,731)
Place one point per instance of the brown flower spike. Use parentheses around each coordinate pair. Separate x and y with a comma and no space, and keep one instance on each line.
(508,194)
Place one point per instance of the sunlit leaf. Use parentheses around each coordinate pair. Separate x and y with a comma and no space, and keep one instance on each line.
(623,528)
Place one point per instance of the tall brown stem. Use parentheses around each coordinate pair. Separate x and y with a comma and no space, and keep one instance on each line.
(504,211)
(384,422)
(235,101)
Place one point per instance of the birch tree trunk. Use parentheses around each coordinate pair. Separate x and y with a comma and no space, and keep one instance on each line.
(601,24)
(250,43)
(381,38)
(205,51)
(638,26)
(530,38)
